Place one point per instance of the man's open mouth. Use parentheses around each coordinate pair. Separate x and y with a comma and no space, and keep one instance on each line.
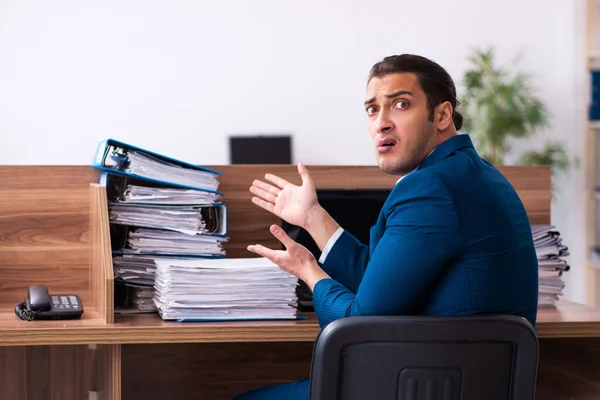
(386,143)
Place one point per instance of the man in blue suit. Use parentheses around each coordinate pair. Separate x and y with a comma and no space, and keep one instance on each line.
(453,237)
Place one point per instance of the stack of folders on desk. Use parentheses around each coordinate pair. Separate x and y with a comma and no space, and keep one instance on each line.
(158,207)
(550,250)
(128,160)
(224,289)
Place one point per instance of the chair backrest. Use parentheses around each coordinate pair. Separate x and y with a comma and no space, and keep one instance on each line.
(425,358)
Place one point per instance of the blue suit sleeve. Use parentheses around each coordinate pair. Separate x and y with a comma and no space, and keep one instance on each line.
(346,261)
(421,234)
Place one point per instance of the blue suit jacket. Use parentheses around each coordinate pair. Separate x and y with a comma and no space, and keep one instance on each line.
(453,238)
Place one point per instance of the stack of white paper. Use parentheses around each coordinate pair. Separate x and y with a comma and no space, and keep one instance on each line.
(150,167)
(192,220)
(223,289)
(141,299)
(136,270)
(157,241)
(131,298)
(144,194)
(158,207)
(550,250)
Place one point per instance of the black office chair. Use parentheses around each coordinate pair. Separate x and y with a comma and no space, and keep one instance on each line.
(425,358)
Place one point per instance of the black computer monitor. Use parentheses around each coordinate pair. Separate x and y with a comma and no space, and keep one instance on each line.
(260,149)
(356,210)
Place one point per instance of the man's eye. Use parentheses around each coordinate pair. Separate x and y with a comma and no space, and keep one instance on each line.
(402,104)
(371,110)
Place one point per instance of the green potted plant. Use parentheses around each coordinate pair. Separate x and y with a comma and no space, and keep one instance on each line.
(499,104)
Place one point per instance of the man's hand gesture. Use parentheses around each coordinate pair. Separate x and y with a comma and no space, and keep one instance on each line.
(292,203)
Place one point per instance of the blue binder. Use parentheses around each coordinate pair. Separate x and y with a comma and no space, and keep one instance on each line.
(116,186)
(220,219)
(594,107)
(114,156)
(119,247)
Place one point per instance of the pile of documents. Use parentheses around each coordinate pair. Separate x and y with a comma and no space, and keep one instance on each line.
(165,242)
(131,161)
(158,207)
(142,163)
(134,269)
(224,289)
(131,298)
(137,193)
(550,250)
(187,219)
(141,299)
(134,290)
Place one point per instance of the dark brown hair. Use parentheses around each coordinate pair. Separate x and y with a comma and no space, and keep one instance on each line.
(434,80)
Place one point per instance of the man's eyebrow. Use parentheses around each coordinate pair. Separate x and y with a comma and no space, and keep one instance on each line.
(398,93)
(391,96)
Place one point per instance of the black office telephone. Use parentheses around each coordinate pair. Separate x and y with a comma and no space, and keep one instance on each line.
(40,305)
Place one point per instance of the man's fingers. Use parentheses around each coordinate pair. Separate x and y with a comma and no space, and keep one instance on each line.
(282,236)
(270,197)
(276,180)
(304,174)
(266,187)
(264,251)
(270,207)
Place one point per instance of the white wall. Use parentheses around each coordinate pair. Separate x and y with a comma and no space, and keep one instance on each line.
(180,76)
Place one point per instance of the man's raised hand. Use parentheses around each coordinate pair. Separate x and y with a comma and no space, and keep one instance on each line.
(289,202)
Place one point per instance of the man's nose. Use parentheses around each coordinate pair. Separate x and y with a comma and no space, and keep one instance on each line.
(384,123)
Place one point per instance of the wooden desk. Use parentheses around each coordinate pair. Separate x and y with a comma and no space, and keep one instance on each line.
(54,231)
(567,320)
(142,355)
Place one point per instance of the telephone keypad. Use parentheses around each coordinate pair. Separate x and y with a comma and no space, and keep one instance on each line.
(65,302)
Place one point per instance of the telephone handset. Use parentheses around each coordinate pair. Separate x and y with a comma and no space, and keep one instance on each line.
(39,304)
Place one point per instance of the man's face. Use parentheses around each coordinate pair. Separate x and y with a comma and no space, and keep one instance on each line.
(398,122)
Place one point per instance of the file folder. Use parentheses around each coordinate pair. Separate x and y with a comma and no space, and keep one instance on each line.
(550,251)
(134,298)
(158,207)
(127,189)
(594,105)
(190,219)
(125,159)
(134,269)
(173,244)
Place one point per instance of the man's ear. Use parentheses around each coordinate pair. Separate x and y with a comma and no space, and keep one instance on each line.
(443,115)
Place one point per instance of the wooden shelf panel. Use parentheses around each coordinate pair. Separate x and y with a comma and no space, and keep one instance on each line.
(149,328)
(15,332)
(44,230)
